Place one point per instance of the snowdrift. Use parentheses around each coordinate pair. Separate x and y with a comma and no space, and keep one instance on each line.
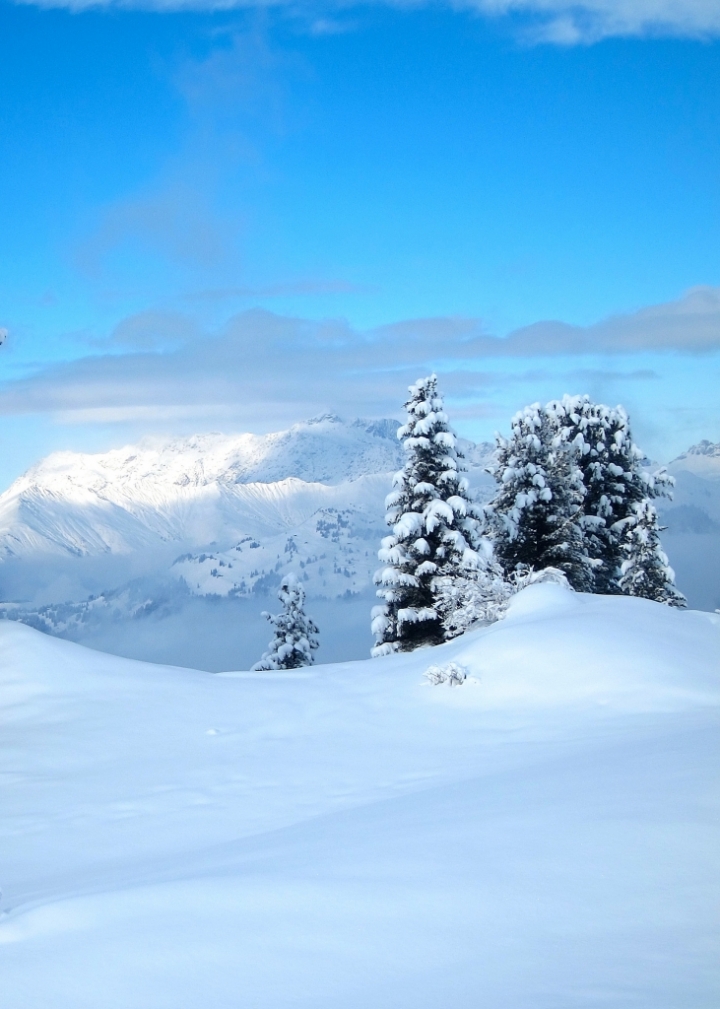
(544,836)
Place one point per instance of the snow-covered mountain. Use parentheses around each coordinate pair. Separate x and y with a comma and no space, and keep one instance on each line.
(92,542)
(205,489)
(195,490)
(692,537)
(702,459)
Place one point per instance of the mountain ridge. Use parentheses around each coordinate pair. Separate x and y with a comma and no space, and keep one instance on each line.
(198,490)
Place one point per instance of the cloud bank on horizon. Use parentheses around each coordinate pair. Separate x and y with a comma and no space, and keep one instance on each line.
(261,370)
(561,22)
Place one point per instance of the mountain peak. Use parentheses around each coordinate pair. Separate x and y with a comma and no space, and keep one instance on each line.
(704,447)
(702,459)
(324,418)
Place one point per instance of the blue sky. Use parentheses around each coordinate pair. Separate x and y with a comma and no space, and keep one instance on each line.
(233,219)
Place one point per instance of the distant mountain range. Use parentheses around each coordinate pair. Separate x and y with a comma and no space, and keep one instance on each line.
(150,549)
(196,491)
(93,546)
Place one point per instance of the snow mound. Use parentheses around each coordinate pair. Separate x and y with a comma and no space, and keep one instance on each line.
(348,835)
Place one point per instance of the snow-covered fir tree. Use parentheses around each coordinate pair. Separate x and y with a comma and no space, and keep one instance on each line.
(535,517)
(645,570)
(436,535)
(295,637)
(618,492)
(600,438)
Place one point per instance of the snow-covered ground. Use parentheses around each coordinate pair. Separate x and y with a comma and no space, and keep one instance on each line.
(545,836)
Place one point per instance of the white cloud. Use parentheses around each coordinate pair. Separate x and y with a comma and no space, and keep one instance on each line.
(262,369)
(690,325)
(561,22)
(565,22)
(174,224)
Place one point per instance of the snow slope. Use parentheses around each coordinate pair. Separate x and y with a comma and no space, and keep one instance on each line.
(545,836)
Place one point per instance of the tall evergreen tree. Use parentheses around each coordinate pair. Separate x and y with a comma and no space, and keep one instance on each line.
(600,438)
(295,637)
(645,570)
(618,488)
(536,515)
(435,529)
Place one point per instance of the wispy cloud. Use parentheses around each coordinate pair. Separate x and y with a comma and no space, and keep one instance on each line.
(176,224)
(559,22)
(191,221)
(262,368)
(281,289)
(691,325)
(243,79)
(564,22)
(154,330)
